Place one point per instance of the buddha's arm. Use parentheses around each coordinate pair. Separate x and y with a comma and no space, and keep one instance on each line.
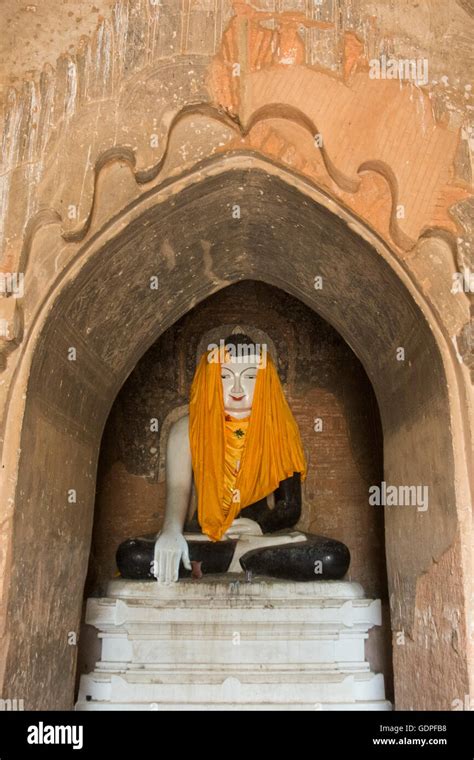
(171,547)
(179,476)
(287,509)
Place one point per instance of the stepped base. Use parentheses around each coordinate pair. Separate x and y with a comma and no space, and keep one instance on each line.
(229,645)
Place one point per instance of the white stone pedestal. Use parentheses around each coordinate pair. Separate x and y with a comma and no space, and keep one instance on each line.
(221,643)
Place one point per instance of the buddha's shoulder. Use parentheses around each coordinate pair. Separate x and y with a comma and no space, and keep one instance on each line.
(180,428)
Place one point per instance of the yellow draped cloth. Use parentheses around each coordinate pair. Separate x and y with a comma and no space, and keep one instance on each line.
(269,451)
(235,432)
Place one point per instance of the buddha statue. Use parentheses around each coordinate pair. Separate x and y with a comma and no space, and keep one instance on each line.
(240,445)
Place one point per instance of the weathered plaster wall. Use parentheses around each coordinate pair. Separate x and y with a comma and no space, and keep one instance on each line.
(147,105)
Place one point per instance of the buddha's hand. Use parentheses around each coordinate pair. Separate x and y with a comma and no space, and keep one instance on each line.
(243,526)
(170,549)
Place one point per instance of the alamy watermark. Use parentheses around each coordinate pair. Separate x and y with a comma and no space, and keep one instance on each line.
(12,284)
(12,705)
(42,733)
(399,496)
(242,352)
(463,282)
(408,69)
(463,704)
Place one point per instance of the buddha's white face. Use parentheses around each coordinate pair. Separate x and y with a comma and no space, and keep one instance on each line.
(238,384)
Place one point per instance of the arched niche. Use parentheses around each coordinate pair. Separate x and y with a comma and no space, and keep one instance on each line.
(106,310)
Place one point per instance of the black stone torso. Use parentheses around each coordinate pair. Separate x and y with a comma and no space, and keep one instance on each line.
(285,514)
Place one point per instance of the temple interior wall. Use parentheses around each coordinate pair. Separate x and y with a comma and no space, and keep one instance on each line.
(106,106)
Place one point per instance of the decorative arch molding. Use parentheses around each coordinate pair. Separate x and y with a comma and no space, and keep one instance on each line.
(267,113)
(101,304)
(210,166)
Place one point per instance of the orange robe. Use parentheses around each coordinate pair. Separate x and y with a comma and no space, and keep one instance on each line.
(235,437)
(271,450)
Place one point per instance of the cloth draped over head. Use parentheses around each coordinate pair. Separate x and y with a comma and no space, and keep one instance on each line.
(273,450)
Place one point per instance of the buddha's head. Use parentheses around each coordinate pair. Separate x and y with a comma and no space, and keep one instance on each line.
(239,367)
